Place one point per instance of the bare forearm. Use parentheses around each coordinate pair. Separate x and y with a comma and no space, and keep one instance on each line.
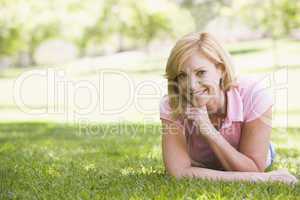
(204,173)
(231,159)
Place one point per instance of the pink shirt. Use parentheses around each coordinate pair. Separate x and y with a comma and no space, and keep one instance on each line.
(245,103)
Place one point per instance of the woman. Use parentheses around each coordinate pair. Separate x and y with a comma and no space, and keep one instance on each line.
(215,125)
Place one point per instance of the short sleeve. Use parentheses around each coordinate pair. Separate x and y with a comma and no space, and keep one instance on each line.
(257,100)
(166,111)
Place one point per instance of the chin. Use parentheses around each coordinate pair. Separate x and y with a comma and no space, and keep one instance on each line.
(211,108)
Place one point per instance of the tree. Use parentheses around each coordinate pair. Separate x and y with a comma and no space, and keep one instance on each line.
(137,21)
(274,17)
(203,11)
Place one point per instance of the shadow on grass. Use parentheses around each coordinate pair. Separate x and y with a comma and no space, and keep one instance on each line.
(37,131)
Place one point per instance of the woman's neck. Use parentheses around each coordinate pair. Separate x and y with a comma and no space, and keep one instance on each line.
(222,106)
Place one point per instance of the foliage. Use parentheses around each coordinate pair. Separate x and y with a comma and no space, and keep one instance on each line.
(25,24)
(204,11)
(138,21)
(274,17)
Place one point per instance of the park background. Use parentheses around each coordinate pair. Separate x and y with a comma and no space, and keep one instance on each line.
(81,83)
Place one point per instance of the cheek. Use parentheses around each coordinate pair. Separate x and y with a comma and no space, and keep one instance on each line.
(212,79)
(212,83)
(214,92)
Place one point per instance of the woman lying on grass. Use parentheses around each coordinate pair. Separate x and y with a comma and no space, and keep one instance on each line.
(215,126)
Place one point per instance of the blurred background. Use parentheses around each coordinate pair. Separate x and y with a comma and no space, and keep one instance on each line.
(104,60)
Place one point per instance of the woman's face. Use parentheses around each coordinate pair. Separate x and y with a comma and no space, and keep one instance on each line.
(198,82)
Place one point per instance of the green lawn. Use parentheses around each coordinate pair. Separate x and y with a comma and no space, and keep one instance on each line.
(116,161)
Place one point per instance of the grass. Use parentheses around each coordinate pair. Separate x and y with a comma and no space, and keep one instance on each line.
(116,161)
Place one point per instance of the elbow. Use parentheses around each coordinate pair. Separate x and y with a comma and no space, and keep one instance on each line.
(261,168)
(176,173)
(257,165)
(258,168)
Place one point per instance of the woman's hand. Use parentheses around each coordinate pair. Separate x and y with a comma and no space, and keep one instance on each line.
(200,116)
(282,175)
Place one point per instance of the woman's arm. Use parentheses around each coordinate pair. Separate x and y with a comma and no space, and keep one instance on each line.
(217,175)
(254,143)
(281,175)
(177,161)
(253,147)
(174,149)
(178,164)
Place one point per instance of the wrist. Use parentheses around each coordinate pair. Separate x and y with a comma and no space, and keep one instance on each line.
(208,130)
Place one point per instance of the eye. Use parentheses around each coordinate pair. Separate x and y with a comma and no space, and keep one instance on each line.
(201,72)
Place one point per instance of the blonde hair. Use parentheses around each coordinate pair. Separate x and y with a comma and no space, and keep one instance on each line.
(182,50)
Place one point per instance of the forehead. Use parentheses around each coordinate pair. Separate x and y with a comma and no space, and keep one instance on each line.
(196,61)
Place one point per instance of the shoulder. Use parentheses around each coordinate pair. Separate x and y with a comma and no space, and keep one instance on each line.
(250,87)
(252,83)
(164,105)
(166,110)
(256,94)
